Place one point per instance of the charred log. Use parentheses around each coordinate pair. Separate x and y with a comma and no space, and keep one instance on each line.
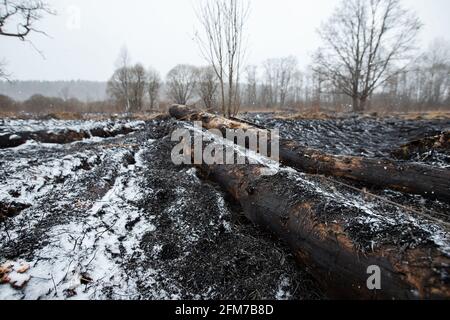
(420,179)
(328,238)
(60,137)
(11,141)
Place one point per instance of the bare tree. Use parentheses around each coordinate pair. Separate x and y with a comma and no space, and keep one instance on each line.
(153,86)
(222,44)
(118,88)
(251,79)
(137,87)
(122,79)
(435,67)
(278,78)
(297,88)
(207,86)
(18,19)
(426,84)
(127,85)
(181,82)
(366,42)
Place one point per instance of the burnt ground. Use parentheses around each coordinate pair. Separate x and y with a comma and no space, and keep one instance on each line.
(360,135)
(114,218)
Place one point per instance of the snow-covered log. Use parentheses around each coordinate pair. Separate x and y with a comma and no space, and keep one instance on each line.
(413,178)
(341,240)
(11,140)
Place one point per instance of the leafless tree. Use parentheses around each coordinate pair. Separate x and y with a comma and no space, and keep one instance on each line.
(207,86)
(251,91)
(297,88)
(221,42)
(153,86)
(366,42)
(18,19)
(118,87)
(127,85)
(435,67)
(181,83)
(426,84)
(138,85)
(278,74)
(122,78)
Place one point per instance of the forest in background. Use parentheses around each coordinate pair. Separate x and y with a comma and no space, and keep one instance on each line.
(369,60)
(80,89)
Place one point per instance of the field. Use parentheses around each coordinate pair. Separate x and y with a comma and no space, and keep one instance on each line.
(95,209)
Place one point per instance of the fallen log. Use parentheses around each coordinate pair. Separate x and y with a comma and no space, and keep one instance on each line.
(420,179)
(11,140)
(337,239)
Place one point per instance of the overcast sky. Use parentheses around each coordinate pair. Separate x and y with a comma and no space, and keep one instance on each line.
(86,35)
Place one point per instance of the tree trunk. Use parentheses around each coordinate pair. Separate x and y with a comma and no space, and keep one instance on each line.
(327,236)
(425,180)
(362,104)
(356,104)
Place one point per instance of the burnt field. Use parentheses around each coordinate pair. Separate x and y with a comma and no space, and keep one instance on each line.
(97,210)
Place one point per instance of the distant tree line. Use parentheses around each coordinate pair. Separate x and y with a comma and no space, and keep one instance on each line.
(80,89)
(39,104)
(368,60)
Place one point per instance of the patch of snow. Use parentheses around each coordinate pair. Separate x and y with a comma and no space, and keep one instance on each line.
(81,258)
(282,293)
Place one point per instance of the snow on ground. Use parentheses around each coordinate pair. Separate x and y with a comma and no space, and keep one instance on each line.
(80,261)
(115,219)
(53,125)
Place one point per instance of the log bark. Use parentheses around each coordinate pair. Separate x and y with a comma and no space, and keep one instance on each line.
(327,236)
(420,179)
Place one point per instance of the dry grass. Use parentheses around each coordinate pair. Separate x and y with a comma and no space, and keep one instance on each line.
(306,116)
(64,116)
(311,114)
(431,115)
(14,115)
